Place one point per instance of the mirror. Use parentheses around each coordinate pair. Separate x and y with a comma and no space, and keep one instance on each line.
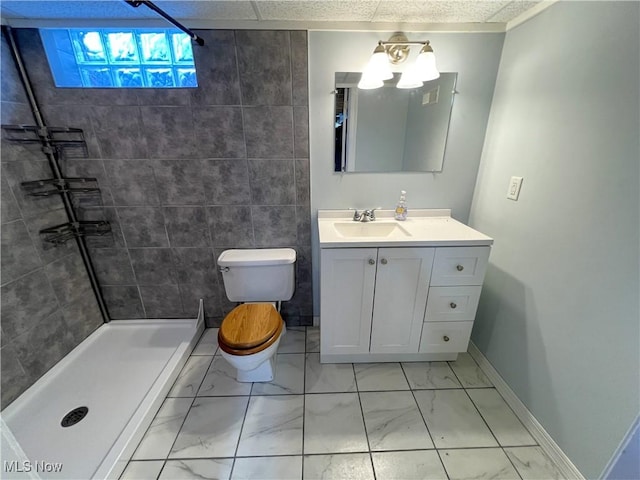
(391,129)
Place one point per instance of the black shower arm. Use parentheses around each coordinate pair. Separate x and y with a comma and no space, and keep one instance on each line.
(166,16)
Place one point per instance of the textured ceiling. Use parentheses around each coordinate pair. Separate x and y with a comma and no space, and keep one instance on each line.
(381,11)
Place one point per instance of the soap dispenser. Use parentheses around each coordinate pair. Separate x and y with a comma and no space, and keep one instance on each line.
(401,207)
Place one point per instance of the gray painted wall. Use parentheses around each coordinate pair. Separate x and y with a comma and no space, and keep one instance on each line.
(48,306)
(474,56)
(558,316)
(186,174)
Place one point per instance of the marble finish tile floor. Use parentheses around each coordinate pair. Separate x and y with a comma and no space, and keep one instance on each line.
(404,421)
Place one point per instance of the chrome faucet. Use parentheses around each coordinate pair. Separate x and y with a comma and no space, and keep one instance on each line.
(365,216)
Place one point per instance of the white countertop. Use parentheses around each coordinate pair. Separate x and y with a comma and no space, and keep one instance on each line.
(422,228)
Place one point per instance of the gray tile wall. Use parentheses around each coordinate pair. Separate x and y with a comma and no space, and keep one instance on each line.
(48,306)
(186,174)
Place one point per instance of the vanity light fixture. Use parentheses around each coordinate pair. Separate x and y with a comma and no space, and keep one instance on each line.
(393,52)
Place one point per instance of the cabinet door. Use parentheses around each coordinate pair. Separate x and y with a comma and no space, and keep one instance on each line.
(347,279)
(402,284)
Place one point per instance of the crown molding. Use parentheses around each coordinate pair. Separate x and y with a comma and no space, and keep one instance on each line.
(529,14)
(261,25)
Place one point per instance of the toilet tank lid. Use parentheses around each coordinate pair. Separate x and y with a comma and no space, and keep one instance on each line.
(259,256)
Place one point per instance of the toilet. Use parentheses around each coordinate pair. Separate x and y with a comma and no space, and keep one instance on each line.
(250,334)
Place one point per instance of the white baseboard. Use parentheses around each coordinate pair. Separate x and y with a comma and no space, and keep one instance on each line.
(550,447)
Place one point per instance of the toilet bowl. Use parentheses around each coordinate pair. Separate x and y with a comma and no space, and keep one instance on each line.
(250,334)
(248,339)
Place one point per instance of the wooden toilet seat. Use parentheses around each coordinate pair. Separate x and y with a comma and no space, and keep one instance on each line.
(250,328)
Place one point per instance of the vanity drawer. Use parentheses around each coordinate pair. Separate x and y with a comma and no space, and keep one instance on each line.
(459,266)
(445,337)
(452,304)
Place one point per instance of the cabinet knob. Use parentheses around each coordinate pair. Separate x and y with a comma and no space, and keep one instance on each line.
(445,338)
(453,305)
(459,268)
(383,261)
(372,261)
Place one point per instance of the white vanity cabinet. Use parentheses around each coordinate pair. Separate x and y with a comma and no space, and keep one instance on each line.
(373,299)
(398,291)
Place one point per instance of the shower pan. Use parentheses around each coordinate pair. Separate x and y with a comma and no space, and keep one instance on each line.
(120,374)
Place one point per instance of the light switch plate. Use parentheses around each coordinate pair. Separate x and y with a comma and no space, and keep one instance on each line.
(514,188)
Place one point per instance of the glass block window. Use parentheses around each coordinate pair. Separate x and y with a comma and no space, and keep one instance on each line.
(120,58)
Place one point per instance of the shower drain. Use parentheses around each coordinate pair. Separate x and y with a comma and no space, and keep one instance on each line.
(74,416)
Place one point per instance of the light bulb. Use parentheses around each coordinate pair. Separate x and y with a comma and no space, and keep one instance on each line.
(426,64)
(379,64)
(409,79)
(369,81)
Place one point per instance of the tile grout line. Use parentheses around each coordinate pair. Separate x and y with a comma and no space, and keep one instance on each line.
(197,388)
(464,388)
(190,407)
(304,398)
(455,374)
(511,461)
(125,245)
(251,396)
(418,406)
(491,431)
(242,107)
(164,464)
(501,397)
(280,455)
(483,419)
(163,402)
(385,391)
(486,424)
(213,357)
(425,421)
(442,463)
(166,459)
(244,418)
(364,424)
(502,448)
(514,413)
(143,437)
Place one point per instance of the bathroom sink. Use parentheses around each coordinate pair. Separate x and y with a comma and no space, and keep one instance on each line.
(369,229)
(425,228)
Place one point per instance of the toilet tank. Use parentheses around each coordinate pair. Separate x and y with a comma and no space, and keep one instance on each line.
(258,275)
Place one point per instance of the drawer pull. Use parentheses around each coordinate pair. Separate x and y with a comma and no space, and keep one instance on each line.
(445,338)
(459,268)
(372,261)
(453,305)
(383,261)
